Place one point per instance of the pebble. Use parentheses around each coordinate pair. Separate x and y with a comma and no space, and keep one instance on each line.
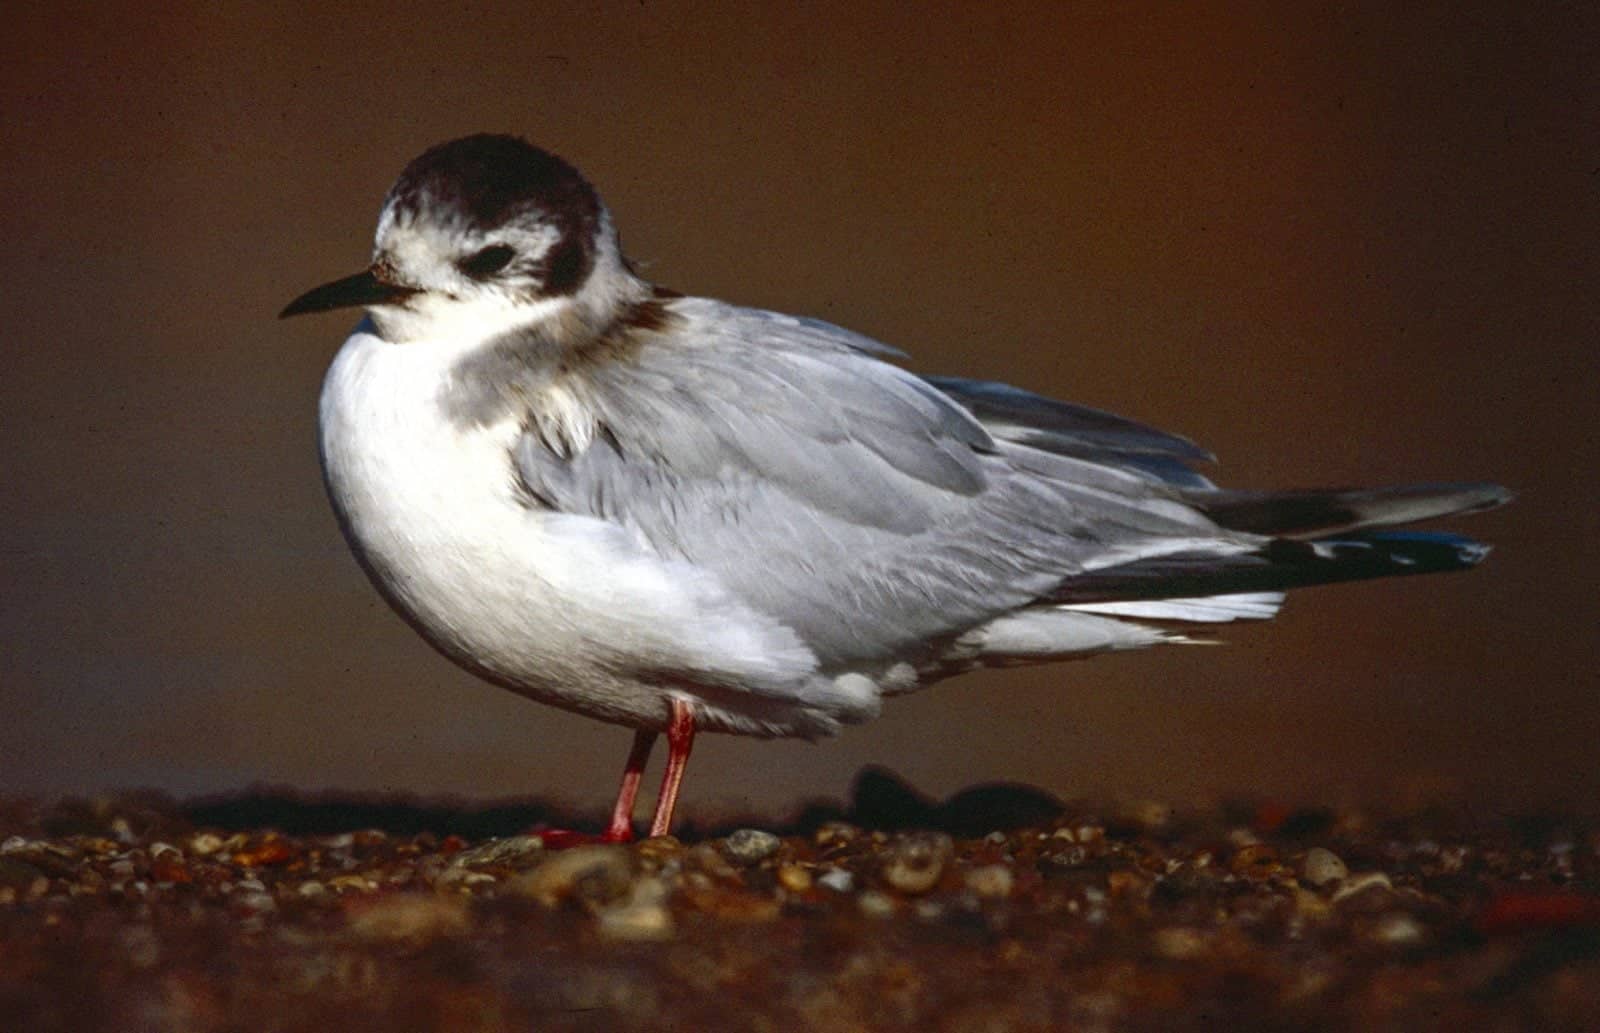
(834,833)
(642,918)
(205,843)
(1399,930)
(876,904)
(750,846)
(358,883)
(591,873)
(511,852)
(1322,866)
(991,881)
(794,878)
(837,879)
(916,860)
(1362,888)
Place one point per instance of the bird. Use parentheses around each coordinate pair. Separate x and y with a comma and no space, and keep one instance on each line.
(681,515)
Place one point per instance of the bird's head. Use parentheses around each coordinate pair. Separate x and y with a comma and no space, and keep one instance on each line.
(480,236)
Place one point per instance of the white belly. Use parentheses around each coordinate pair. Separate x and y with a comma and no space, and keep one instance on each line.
(429,509)
(565,609)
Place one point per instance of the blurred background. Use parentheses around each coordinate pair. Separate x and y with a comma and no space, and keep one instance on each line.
(1336,243)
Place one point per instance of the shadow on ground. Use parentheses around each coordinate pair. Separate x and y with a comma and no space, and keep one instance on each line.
(879,799)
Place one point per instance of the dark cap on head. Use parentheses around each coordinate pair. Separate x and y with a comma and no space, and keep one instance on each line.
(488,178)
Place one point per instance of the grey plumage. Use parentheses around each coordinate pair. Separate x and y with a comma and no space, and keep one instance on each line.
(864,507)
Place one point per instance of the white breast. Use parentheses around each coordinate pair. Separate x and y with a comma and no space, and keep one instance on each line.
(566,609)
(429,506)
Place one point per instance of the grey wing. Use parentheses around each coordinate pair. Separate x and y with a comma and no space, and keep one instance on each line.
(1028,419)
(849,500)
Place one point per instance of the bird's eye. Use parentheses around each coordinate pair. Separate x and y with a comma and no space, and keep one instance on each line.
(487,262)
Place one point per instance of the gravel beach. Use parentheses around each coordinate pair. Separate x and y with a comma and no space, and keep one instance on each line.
(999,909)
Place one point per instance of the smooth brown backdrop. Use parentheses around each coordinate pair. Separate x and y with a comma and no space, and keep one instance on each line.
(1351,243)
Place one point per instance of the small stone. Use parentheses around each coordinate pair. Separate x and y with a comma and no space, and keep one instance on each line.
(354,883)
(1364,890)
(1321,867)
(411,918)
(834,833)
(1399,930)
(916,861)
(1179,943)
(464,878)
(591,873)
(876,904)
(838,880)
(510,852)
(794,878)
(270,851)
(750,846)
(991,881)
(642,917)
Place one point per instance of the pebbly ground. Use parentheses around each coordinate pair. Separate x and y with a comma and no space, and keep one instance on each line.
(1000,909)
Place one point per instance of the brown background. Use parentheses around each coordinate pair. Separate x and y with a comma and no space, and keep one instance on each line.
(1348,244)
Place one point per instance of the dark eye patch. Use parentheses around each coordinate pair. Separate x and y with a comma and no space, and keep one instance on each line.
(487,262)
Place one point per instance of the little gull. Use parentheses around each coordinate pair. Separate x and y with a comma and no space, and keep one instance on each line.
(681,515)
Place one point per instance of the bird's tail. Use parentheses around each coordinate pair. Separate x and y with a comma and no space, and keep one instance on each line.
(1321,514)
(1316,538)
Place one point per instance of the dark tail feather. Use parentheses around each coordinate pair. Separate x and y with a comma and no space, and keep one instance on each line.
(1318,514)
(1281,564)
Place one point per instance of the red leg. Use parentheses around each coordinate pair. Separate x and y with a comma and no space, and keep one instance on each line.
(621,827)
(680,740)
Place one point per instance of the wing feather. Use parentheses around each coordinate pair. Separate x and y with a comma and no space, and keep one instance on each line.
(861,506)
